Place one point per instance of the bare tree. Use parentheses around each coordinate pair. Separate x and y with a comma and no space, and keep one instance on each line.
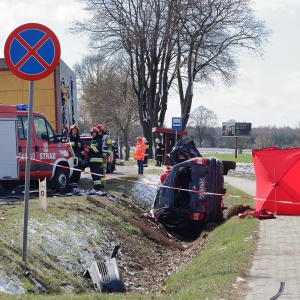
(212,35)
(264,137)
(191,41)
(107,97)
(140,30)
(202,120)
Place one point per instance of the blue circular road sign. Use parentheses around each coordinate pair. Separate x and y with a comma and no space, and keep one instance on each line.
(32,51)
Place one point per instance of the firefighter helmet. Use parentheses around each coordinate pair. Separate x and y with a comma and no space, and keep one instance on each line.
(74,126)
(94,129)
(113,142)
(100,127)
(157,141)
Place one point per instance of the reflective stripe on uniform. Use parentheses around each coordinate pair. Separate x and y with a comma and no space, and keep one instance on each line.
(106,145)
(96,159)
(103,180)
(94,148)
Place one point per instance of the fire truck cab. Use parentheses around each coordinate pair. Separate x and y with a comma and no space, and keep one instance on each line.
(51,157)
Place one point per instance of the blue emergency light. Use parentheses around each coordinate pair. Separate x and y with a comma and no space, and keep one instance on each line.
(22,107)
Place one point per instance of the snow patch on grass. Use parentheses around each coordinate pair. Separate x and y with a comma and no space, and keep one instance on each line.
(73,244)
(10,284)
(144,190)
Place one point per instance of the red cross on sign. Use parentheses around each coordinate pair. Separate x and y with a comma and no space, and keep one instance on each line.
(32,51)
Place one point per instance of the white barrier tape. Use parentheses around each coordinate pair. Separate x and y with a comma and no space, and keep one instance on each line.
(163,186)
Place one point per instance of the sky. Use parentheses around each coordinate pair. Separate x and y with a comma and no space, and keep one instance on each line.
(266,92)
(57,15)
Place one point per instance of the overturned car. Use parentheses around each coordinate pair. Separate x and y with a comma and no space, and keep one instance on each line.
(193,189)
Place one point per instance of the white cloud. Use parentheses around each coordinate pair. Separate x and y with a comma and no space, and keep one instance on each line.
(292,82)
(288,7)
(56,15)
(266,93)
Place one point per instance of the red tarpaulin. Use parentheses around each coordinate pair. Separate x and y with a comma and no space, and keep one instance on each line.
(277,174)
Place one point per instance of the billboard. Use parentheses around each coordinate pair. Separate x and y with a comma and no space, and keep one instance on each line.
(243,129)
(228,129)
(236,129)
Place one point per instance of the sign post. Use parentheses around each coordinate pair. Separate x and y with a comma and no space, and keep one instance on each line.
(176,125)
(236,129)
(32,52)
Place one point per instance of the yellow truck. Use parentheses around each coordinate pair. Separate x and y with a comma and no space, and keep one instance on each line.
(55,96)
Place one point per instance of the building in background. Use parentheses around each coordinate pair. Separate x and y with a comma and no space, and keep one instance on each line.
(55,96)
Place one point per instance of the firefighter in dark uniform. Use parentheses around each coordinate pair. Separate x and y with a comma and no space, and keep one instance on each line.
(145,163)
(106,150)
(95,155)
(78,149)
(159,151)
(115,153)
(115,150)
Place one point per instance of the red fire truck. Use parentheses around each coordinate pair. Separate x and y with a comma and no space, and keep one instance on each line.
(51,157)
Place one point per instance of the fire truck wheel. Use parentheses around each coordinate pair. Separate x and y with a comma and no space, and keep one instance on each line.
(61,180)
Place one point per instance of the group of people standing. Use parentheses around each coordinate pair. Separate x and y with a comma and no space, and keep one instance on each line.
(141,153)
(99,151)
(98,154)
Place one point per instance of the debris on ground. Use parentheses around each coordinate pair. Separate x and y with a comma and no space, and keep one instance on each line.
(238,209)
(260,214)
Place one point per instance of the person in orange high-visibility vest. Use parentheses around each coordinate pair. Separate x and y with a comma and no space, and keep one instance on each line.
(139,154)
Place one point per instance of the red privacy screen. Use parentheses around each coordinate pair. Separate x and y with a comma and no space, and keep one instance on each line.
(277,174)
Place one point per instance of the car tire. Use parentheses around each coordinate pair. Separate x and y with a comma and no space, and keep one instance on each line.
(61,180)
(228,165)
(217,215)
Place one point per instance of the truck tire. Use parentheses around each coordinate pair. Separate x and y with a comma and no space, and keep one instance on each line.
(61,180)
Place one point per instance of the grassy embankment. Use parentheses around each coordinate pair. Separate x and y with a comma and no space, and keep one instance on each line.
(210,275)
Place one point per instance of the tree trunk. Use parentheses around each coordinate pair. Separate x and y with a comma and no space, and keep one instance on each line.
(120,149)
(127,152)
(148,135)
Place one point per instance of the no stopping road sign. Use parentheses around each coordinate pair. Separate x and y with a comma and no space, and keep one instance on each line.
(32,51)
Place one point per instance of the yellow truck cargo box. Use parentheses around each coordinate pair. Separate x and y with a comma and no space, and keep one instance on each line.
(55,95)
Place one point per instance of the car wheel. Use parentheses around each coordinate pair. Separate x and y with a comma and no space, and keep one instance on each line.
(228,165)
(219,183)
(61,180)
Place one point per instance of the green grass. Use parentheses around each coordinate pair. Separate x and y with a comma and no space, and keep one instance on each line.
(129,162)
(134,162)
(241,158)
(209,276)
(228,255)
